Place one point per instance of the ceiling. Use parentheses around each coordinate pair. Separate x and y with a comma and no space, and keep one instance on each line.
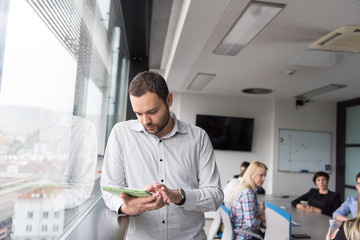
(185,33)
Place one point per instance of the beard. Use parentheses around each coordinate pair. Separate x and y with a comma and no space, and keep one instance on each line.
(162,124)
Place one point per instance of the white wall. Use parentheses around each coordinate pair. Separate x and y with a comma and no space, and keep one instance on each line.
(314,116)
(186,106)
(269,115)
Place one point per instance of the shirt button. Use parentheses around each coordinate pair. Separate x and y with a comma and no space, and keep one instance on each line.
(160,160)
(163,221)
(162,180)
(160,140)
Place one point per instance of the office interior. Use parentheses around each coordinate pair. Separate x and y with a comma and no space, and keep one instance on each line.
(75,58)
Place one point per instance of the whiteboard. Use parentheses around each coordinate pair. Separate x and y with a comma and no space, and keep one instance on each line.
(304,151)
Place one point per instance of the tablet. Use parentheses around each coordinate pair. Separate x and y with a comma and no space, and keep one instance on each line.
(130,191)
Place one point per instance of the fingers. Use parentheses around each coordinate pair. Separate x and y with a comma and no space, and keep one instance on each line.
(154,187)
(334,234)
(135,206)
(328,234)
(308,209)
(171,196)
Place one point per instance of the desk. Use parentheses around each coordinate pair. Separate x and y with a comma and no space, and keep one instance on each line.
(314,224)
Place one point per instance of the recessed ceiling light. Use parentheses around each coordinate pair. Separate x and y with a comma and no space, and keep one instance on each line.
(257,90)
(200,81)
(255,17)
(319,91)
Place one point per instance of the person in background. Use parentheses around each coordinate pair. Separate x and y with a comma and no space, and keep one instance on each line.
(244,165)
(348,230)
(246,213)
(320,200)
(349,206)
(230,186)
(166,156)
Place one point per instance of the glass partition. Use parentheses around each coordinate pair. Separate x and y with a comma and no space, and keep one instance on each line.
(352,122)
(352,148)
(60,63)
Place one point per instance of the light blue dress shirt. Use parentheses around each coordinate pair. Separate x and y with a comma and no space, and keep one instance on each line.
(184,158)
(349,206)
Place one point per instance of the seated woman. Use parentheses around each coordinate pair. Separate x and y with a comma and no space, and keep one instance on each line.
(246,213)
(349,229)
(320,200)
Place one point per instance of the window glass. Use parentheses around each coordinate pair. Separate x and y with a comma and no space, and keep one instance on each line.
(59,62)
(352,125)
(351,164)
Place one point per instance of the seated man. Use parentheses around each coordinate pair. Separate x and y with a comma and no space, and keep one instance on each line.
(349,206)
(230,186)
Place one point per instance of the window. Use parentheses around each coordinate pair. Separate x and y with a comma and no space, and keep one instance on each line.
(28,228)
(55,228)
(347,147)
(63,85)
(44,228)
(30,215)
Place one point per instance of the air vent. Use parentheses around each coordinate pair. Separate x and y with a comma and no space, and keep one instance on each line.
(345,39)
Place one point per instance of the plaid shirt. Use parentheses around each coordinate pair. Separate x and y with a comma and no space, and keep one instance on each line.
(245,213)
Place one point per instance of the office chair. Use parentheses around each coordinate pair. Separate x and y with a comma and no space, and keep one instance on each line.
(215,226)
(278,223)
(222,215)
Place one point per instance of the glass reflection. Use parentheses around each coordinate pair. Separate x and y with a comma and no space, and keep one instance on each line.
(45,170)
(48,156)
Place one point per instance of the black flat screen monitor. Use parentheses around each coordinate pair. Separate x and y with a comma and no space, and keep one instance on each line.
(227,133)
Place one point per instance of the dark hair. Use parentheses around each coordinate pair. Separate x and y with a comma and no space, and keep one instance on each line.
(245,165)
(357,176)
(321,174)
(149,82)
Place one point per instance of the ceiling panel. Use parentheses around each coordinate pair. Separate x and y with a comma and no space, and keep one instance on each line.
(264,62)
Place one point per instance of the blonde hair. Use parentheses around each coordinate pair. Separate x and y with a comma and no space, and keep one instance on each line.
(247,180)
(352,227)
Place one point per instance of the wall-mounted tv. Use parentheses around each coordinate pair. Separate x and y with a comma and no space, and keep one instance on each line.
(228,133)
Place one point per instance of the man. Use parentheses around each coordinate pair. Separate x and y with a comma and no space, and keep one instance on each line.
(230,186)
(244,165)
(170,158)
(349,206)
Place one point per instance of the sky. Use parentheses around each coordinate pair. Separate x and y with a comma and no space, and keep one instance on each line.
(38,71)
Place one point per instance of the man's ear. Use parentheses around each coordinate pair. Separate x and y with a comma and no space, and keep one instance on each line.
(169,99)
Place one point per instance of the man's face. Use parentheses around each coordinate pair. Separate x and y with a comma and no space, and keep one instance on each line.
(153,113)
(358,185)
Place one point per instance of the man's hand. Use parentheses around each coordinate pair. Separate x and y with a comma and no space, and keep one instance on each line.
(330,236)
(168,195)
(341,218)
(137,205)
